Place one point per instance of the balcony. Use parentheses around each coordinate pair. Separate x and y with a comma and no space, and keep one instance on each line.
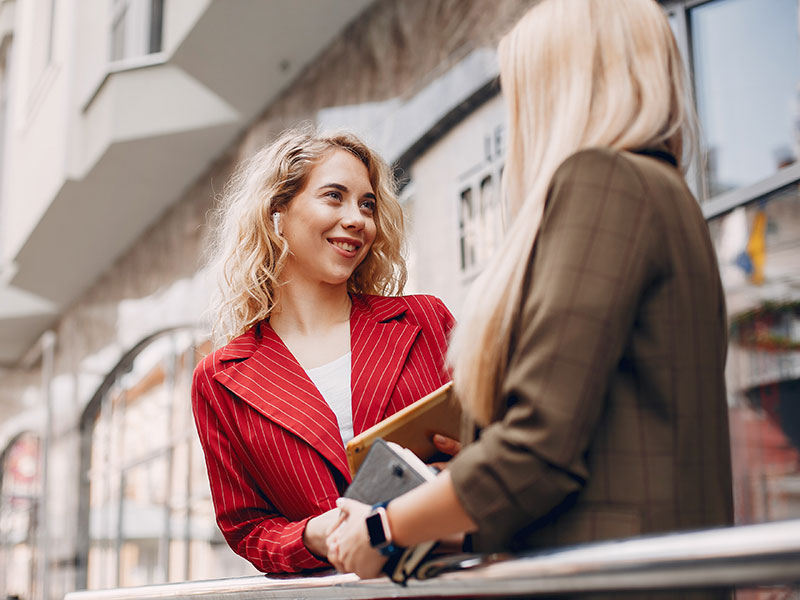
(147,130)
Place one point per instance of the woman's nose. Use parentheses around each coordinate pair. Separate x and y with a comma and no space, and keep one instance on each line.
(353,217)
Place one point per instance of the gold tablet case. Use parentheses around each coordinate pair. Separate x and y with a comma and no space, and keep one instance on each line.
(412,427)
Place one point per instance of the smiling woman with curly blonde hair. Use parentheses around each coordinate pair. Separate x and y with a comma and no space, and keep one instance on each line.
(317,345)
(250,255)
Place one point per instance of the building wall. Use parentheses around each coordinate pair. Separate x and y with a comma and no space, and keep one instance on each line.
(162,269)
(37,110)
(394,50)
(456,165)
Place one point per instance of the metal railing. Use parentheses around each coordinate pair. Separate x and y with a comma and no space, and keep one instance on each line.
(743,556)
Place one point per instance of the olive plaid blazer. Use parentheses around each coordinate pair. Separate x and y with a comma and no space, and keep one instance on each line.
(614,417)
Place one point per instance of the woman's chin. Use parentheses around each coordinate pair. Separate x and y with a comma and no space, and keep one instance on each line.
(338,279)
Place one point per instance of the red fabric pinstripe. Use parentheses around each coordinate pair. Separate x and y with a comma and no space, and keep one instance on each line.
(272,445)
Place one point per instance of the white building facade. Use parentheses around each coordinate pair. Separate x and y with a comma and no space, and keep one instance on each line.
(120,122)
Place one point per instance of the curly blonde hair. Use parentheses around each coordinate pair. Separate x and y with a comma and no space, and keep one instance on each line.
(248,256)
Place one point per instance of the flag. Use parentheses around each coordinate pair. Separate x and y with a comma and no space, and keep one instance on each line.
(752,259)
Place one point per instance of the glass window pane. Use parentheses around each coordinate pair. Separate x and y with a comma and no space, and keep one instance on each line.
(103,494)
(151,517)
(136,28)
(466,226)
(178,549)
(759,259)
(144,523)
(746,58)
(147,405)
(19,505)
(491,218)
(156,25)
(182,419)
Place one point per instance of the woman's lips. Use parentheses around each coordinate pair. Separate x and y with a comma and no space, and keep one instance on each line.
(348,248)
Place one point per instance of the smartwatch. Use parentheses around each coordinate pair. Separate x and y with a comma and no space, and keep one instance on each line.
(380,536)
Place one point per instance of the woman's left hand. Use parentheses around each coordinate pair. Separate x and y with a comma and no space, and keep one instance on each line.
(445,445)
(349,549)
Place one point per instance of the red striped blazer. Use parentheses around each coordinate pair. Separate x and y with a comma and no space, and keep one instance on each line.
(272,445)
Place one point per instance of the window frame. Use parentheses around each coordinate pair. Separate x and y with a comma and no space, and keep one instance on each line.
(144,19)
(113,389)
(35,499)
(721,204)
(470,183)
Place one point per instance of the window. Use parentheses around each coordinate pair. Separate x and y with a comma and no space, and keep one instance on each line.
(151,518)
(746,60)
(759,251)
(480,208)
(19,507)
(136,28)
(467,226)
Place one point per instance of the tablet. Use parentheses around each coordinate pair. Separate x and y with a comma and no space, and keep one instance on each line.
(412,427)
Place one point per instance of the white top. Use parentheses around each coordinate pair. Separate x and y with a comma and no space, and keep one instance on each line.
(333,382)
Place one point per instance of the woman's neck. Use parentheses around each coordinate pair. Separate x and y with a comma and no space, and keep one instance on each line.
(310,308)
(313,322)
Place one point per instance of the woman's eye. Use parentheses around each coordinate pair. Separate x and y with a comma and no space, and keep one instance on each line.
(334,194)
(368,205)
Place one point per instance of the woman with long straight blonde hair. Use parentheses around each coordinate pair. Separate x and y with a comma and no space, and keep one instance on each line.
(591,349)
(316,345)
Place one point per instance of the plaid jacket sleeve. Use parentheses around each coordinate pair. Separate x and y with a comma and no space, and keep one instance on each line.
(596,253)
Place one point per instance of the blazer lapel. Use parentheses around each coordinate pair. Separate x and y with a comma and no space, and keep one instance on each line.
(380,344)
(273,382)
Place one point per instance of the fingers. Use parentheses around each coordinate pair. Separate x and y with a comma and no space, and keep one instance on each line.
(334,556)
(446,444)
(332,527)
(346,505)
(347,543)
(333,543)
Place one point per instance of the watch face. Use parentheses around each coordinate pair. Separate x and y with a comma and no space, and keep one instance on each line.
(377,536)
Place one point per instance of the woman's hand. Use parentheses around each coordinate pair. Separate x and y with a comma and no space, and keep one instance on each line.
(445,445)
(317,529)
(349,549)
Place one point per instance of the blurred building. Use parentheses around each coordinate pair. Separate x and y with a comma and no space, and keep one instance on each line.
(120,122)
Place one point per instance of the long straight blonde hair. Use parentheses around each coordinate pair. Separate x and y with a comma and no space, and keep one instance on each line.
(248,256)
(575,74)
